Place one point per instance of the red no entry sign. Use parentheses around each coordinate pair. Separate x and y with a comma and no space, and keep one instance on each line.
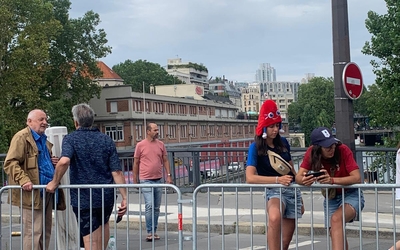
(352,80)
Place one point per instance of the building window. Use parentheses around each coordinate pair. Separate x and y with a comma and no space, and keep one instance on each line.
(172,131)
(193,131)
(224,113)
(115,132)
(233,129)
(137,106)
(226,130)
(182,109)
(171,108)
(219,130)
(114,107)
(184,132)
(139,135)
(161,132)
(203,130)
(158,107)
(193,110)
(240,130)
(217,113)
(212,130)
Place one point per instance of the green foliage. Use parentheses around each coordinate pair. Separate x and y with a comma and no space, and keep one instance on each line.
(314,107)
(46,59)
(384,163)
(60,111)
(195,66)
(385,46)
(360,105)
(142,71)
(27,29)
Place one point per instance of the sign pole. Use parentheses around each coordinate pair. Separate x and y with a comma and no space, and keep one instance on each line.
(341,56)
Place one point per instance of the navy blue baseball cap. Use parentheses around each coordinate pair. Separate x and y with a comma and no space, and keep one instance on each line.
(322,137)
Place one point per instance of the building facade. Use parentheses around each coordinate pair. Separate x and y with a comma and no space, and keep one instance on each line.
(189,91)
(188,72)
(123,115)
(251,101)
(283,93)
(266,73)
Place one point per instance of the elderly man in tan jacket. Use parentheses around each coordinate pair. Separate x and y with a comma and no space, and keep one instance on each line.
(29,162)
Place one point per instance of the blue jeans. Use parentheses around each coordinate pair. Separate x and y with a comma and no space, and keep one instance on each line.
(350,197)
(288,197)
(152,200)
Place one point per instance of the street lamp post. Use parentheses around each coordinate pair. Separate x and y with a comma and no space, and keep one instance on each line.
(144,107)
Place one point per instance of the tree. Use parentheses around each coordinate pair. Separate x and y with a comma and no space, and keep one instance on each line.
(47,61)
(141,71)
(74,55)
(385,46)
(375,101)
(28,28)
(314,106)
(360,105)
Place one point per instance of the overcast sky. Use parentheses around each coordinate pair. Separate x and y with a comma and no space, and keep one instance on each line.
(232,37)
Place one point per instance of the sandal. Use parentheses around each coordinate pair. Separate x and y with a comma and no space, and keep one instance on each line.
(149,237)
(156,237)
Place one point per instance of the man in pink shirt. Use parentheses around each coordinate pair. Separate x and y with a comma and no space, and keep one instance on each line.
(149,159)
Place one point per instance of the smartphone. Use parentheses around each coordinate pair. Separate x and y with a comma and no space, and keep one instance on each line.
(119,218)
(315,174)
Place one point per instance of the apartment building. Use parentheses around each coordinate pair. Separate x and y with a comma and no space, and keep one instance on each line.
(283,93)
(188,72)
(251,102)
(265,73)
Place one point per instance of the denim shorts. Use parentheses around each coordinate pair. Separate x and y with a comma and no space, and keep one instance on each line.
(351,198)
(96,218)
(288,198)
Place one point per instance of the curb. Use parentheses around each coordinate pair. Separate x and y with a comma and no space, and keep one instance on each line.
(233,228)
(256,228)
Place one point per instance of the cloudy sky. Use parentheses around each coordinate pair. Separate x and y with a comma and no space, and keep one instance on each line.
(232,37)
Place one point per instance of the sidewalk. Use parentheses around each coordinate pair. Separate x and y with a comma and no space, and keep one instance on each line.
(244,213)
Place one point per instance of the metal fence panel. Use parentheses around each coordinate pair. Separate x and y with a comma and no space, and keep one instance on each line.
(239,210)
(193,166)
(130,233)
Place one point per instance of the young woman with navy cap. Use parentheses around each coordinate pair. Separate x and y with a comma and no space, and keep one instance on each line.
(336,161)
(284,205)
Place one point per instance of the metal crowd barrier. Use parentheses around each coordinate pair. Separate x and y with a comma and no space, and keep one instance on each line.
(130,233)
(219,216)
(193,166)
(235,210)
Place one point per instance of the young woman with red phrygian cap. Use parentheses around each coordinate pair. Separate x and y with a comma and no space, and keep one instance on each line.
(284,205)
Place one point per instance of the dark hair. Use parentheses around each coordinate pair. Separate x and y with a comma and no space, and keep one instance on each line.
(261,145)
(316,157)
(149,125)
